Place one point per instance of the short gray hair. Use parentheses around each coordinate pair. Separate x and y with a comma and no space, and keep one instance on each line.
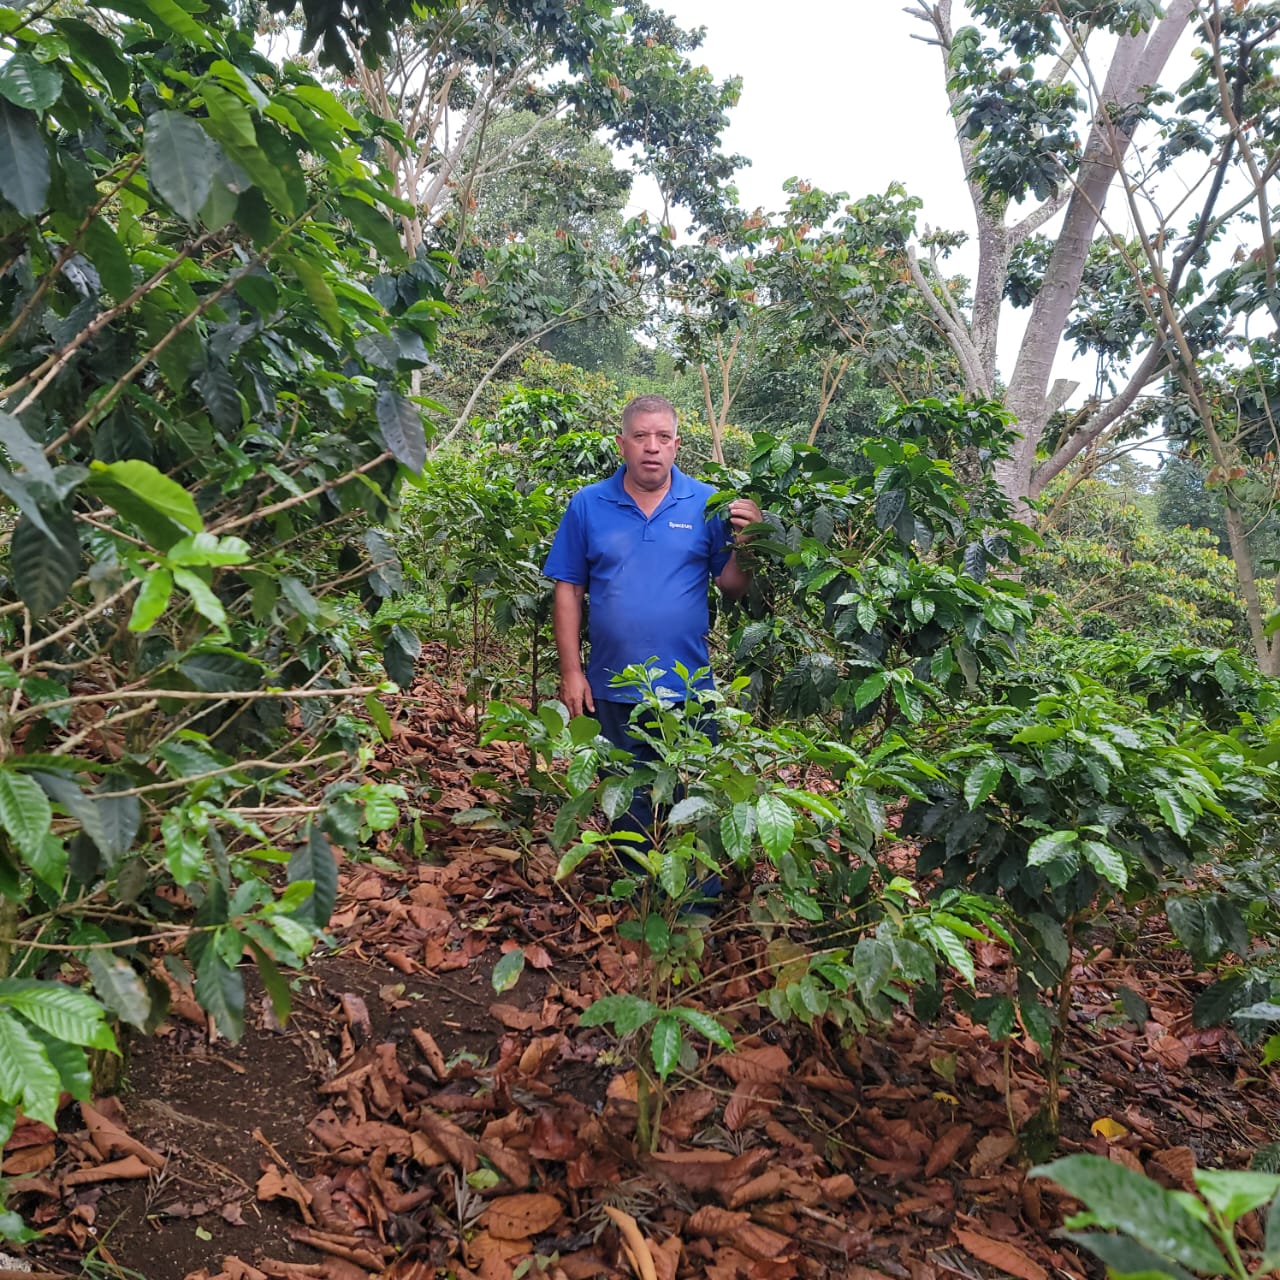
(647,404)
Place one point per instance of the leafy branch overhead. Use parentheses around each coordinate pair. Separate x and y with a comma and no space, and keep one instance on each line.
(207,411)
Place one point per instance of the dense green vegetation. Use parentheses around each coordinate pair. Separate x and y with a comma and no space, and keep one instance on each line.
(291,388)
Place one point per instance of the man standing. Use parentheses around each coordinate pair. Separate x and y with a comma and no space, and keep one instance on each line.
(640,546)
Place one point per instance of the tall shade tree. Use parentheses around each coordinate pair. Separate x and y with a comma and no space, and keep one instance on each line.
(1051,103)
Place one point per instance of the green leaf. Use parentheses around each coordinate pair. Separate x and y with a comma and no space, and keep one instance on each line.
(869,690)
(381,812)
(97,55)
(506,973)
(313,860)
(108,254)
(1176,809)
(665,1044)
(181,158)
(1106,861)
(154,488)
(118,986)
(402,431)
(1234,1192)
(44,568)
(69,1061)
(982,780)
(379,715)
(776,824)
(207,550)
(872,965)
(24,451)
(48,861)
(24,810)
(615,797)
(319,290)
(220,992)
(184,850)
(705,1025)
(1122,1200)
(953,950)
(28,83)
(735,832)
(27,1077)
(1048,848)
(152,600)
(1125,1257)
(273,981)
(60,1010)
(626,1013)
(1271,1249)
(690,810)
(170,17)
(207,605)
(24,160)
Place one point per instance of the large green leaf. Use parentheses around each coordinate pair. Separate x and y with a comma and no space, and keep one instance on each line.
(665,1044)
(402,430)
(28,83)
(1106,861)
(24,160)
(119,987)
(705,1025)
(220,992)
(181,158)
(95,54)
(320,291)
(153,487)
(776,825)
(24,810)
(23,451)
(107,252)
(44,568)
(1122,1200)
(313,860)
(27,1077)
(60,1010)
(982,780)
(736,828)
(170,17)
(626,1013)
(1125,1257)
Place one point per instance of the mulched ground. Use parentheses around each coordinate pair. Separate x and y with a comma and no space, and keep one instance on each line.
(409,1123)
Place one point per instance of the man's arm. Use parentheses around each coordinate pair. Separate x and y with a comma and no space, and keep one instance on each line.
(566,624)
(734,579)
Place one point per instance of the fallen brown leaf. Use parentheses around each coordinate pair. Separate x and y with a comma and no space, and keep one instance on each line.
(1001,1254)
(521,1216)
(129,1167)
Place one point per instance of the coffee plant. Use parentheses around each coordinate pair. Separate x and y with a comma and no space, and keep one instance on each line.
(206,325)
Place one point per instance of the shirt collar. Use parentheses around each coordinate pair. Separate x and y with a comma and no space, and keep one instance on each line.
(681,487)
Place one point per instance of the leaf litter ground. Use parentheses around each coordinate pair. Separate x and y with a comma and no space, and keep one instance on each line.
(410,1123)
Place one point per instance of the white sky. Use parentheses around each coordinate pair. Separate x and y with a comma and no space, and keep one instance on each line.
(835,92)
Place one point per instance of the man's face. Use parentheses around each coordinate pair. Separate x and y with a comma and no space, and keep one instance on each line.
(648,446)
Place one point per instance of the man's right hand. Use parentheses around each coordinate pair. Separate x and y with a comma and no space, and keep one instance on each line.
(575,693)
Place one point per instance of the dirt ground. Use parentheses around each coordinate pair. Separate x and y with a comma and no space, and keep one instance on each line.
(410,1122)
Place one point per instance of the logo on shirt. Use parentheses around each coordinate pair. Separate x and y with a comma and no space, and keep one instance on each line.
(677,524)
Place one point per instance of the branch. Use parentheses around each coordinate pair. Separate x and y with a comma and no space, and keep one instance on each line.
(957,338)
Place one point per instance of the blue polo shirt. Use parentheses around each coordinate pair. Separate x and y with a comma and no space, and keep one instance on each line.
(646,577)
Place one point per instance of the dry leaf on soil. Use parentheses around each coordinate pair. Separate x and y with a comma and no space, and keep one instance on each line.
(519,1217)
(1001,1254)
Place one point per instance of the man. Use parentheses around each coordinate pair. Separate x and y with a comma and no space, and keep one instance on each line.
(640,546)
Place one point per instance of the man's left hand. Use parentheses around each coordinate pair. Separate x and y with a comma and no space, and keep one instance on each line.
(742,512)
